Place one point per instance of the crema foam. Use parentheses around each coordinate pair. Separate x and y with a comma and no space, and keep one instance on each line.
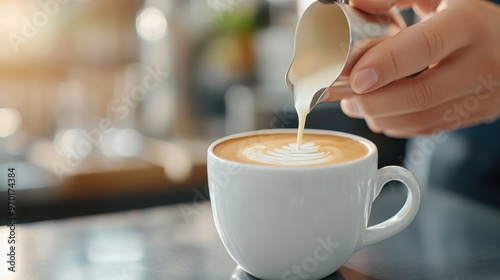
(308,154)
(281,150)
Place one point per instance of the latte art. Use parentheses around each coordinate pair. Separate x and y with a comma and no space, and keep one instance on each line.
(280,149)
(308,154)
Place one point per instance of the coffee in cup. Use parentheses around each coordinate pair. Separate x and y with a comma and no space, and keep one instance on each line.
(281,149)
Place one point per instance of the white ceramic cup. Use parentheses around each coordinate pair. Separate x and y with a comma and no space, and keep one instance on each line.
(302,222)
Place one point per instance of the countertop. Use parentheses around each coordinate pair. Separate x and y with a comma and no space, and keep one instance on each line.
(452,238)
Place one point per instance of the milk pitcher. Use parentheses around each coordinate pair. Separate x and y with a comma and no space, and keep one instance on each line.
(330,37)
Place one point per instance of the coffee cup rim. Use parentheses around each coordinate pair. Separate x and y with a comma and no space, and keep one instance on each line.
(372,148)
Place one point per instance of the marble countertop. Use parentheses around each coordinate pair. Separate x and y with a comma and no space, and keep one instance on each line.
(452,238)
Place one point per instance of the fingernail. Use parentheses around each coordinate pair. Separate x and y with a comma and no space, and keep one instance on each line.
(372,125)
(364,80)
(351,107)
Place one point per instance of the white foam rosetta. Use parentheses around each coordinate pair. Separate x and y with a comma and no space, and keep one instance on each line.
(308,154)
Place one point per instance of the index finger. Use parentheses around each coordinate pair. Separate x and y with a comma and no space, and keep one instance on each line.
(412,50)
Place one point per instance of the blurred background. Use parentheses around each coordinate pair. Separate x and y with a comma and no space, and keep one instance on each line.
(110,105)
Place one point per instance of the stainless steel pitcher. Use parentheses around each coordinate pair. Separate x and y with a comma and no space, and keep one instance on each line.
(334,27)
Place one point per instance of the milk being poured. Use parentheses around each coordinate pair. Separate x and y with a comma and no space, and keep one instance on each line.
(304,90)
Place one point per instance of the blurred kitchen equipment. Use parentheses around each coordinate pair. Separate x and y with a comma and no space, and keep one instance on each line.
(206,48)
(331,32)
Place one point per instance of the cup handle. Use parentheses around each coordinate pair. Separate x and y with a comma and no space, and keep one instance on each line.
(403,218)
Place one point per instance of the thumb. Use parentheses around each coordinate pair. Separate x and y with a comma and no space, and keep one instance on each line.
(423,7)
(380,6)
